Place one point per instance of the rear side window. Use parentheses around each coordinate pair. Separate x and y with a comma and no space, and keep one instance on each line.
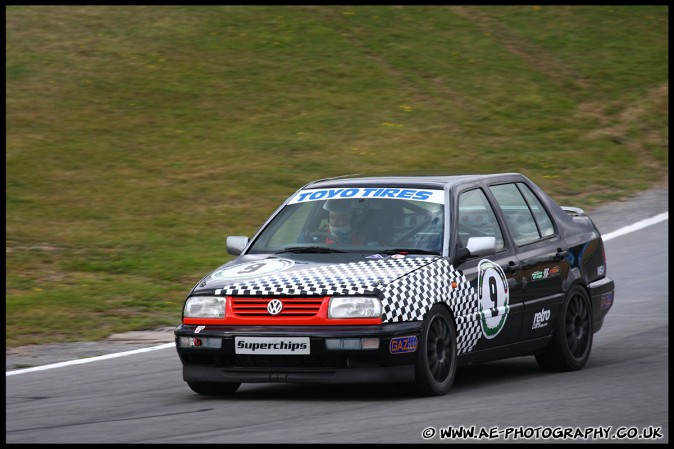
(525,216)
(540,214)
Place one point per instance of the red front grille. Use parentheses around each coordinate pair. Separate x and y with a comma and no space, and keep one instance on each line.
(292,307)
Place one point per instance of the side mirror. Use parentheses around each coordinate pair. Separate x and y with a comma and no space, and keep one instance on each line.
(476,246)
(481,246)
(236,244)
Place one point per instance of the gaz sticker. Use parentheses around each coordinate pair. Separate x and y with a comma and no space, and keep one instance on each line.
(493,298)
(400,345)
(253,269)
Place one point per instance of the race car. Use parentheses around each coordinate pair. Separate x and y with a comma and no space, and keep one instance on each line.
(398,279)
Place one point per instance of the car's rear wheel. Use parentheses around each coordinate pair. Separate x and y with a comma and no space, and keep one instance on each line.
(436,360)
(572,343)
(214,389)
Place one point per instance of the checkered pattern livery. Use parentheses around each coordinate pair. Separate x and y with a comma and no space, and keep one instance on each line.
(356,278)
(410,297)
(408,287)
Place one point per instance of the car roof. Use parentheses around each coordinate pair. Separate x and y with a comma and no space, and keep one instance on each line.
(437,181)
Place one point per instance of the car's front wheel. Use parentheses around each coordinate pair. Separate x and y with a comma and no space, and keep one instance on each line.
(436,360)
(572,343)
(214,389)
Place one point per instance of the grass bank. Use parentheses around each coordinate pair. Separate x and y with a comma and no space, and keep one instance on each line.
(138,137)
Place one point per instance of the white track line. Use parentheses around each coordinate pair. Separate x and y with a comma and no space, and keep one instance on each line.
(90,359)
(611,235)
(636,226)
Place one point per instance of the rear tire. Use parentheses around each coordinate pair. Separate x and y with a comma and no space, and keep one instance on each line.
(436,359)
(214,389)
(572,343)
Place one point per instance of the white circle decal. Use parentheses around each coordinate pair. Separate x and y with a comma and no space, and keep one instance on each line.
(493,297)
(253,269)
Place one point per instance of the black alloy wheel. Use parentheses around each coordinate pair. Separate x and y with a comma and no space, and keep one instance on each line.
(572,342)
(436,359)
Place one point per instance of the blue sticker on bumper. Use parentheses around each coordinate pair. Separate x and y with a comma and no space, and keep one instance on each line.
(606,300)
(401,345)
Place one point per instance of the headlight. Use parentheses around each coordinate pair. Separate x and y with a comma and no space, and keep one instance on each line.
(205,307)
(354,307)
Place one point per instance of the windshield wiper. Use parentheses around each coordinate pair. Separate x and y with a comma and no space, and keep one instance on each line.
(309,249)
(409,251)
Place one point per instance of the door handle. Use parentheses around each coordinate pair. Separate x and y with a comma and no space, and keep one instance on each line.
(512,266)
(561,254)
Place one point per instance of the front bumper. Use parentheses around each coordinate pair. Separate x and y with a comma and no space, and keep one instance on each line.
(222,364)
(601,294)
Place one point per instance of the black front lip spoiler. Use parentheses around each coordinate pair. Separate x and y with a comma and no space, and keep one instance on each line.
(404,373)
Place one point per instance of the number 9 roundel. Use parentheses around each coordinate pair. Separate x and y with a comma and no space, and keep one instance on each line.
(493,297)
(252,269)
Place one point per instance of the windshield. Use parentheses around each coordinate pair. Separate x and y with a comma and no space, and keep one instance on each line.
(357,220)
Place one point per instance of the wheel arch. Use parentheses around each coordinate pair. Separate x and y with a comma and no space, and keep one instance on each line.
(448,308)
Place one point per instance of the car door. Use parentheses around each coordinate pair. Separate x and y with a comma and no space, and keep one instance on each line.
(495,277)
(540,252)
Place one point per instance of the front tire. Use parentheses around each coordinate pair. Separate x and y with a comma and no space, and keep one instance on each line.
(572,343)
(436,360)
(214,389)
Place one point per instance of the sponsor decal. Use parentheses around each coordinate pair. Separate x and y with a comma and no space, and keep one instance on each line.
(541,319)
(493,298)
(397,256)
(606,300)
(545,273)
(253,269)
(400,345)
(375,256)
(272,345)
(432,196)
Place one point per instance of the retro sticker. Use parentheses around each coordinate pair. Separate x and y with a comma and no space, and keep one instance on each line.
(253,269)
(493,298)
(541,319)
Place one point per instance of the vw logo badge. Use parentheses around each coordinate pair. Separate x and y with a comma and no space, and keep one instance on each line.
(274,307)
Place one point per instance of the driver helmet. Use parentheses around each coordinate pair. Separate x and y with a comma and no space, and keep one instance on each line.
(340,216)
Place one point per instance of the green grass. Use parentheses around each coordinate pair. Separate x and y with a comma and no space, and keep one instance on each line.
(139,137)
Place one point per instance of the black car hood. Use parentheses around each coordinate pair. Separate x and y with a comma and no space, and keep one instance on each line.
(309,274)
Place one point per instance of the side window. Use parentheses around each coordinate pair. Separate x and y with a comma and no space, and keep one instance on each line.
(477,219)
(518,216)
(540,214)
(289,228)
